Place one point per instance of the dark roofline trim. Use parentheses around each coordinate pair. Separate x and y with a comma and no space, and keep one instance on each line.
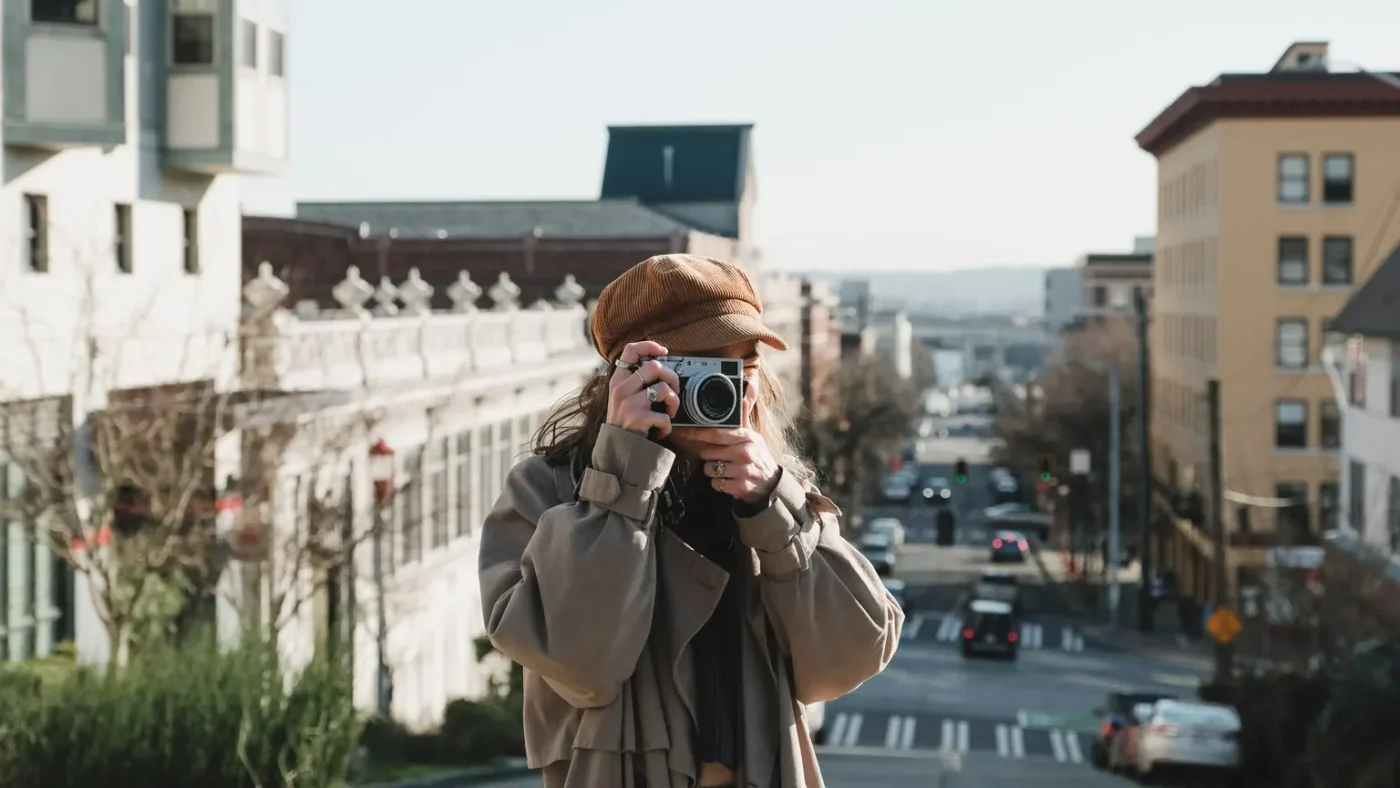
(1329,95)
(1125,257)
(1368,311)
(717,127)
(472,242)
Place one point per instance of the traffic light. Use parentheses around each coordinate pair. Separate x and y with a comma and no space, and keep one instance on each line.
(1045,474)
(960,472)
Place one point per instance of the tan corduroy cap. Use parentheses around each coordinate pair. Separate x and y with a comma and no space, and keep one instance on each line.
(684,302)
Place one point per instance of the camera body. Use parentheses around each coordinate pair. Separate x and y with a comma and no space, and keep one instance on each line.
(711,391)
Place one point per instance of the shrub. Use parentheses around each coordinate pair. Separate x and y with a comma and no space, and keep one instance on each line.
(188,718)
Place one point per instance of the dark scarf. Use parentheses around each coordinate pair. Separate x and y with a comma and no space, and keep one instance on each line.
(704,519)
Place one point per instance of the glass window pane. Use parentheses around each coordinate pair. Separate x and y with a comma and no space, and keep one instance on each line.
(1336,168)
(192,39)
(1292,413)
(1293,166)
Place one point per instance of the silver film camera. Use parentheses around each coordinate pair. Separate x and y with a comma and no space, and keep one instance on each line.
(711,392)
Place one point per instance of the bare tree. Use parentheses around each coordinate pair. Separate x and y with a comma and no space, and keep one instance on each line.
(874,418)
(116,462)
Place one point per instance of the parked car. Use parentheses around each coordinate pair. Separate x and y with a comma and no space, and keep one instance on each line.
(1009,546)
(890,527)
(879,549)
(816,721)
(1115,716)
(1187,735)
(937,491)
(895,487)
(990,627)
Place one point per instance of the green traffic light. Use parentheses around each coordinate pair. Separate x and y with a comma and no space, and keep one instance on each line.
(961,479)
(1045,477)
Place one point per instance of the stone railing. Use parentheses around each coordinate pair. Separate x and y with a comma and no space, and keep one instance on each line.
(389,334)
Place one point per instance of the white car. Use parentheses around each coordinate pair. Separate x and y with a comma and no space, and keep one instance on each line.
(816,721)
(890,527)
(1181,733)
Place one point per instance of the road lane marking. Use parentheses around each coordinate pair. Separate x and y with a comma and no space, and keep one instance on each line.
(948,629)
(906,738)
(1066,637)
(892,731)
(1057,743)
(948,741)
(1072,747)
(1003,741)
(1018,743)
(1076,641)
(1032,635)
(1023,719)
(853,730)
(838,728)
(962,736)
(911,627)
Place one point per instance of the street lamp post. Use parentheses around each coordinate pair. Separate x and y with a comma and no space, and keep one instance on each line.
(1114,485)
(381,468)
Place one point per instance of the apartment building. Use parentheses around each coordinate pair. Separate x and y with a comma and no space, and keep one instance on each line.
(1363,554)
(124,123)
(1112,281)
(1064,296)
(1270,186)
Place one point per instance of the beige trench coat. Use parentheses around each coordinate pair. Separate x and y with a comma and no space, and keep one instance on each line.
(599,605)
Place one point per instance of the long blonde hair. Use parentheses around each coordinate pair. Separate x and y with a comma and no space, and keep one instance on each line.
(567,435)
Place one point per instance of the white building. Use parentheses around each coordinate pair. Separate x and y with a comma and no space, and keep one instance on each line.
(456,396)
(120,229)
(894,341)
(1064,297)
(1366,374)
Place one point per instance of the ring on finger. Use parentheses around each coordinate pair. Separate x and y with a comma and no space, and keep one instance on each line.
(627,365)
(722,480)
(653,396)
(719,470)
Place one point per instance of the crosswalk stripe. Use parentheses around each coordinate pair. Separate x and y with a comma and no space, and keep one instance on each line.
(1072,748)
(1003,741)
(949,630)
(1018,742)
(1007,738)
(892,731)
(962,736)
(906,739)
(1057,743)
(912,627)
(947,743)
(853,730)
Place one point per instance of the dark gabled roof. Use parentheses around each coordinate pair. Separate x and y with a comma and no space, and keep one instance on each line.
(505,219)
(706,163)
(1282,94)
(1374,309)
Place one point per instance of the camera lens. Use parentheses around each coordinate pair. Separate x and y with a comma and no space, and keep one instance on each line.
(712,398)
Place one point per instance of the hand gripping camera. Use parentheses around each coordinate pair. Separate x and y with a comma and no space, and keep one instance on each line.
(711,391)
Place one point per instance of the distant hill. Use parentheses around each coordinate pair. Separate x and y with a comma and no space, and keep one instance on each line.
(1016,290)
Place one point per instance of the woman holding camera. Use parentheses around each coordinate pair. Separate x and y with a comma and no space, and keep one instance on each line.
(677,591)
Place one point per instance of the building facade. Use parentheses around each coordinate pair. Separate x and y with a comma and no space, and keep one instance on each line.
(124,125)
(1111,282)
(821,348)
(1064,296)
(1267,188)
(452,397)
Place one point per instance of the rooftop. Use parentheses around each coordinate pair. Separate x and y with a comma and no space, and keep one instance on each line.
(1298,86)
(1374,308)
(613,218)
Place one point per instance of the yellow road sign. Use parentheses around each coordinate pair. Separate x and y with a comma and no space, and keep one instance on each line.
(1224,625)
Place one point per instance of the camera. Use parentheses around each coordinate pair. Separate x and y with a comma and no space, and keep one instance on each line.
(711,391)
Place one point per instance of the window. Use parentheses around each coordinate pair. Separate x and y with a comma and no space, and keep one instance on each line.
(1327,497)
(1392,519)
(1292,260)
(1395,379)
(1356,496)
(464,484)
(1291,424)
(64,12)
(192,39)
(249,41)
(1338,177)
(1356,371)
(411,494)
(1293,520)
(276,54)
(191,242)
(36,215)
(1336,260)
(121,238)
(1291,343)
(437,483)
(482,467)
(1330,425)
(503,455)
(1100,295)
(1293,178)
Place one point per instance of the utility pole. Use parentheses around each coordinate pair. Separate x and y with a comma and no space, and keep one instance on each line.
(1144,498)
(1115,503)
(1224,650)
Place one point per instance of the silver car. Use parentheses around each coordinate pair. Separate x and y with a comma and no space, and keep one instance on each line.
(1184,734)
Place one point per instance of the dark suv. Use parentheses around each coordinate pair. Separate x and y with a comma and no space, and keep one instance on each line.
(990,627)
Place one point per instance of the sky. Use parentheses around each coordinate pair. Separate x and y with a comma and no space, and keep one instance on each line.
(922,134)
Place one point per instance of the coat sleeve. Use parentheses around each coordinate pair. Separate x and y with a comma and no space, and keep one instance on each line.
(568,589)
(830,610)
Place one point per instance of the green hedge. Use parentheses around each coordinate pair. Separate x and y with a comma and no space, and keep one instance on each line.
(188,718)
(1316,731)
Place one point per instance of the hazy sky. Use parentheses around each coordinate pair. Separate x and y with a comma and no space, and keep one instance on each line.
(917,134)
